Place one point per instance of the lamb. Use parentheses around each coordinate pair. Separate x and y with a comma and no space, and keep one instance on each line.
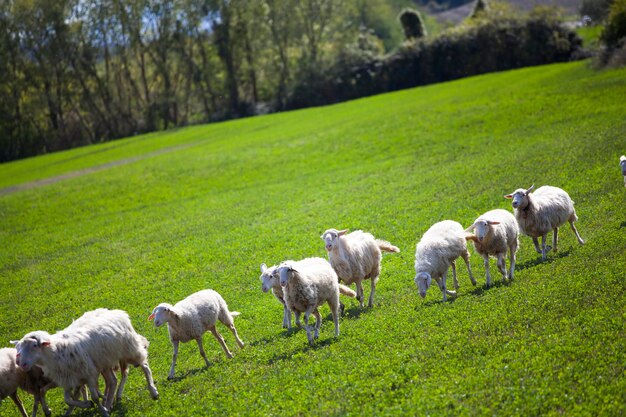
(192,317)
(546,209)
(13,377)
(622,164)
(271,280)
(495,232)
(307,284)
(356,257)
(98,342)
(436,252)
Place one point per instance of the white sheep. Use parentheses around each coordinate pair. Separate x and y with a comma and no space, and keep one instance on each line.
(538,213)
(438,249)
(13,377)
(307,284)
(622,164)
(271,281)
(495,232)
(190,318)
(356,257)
(98,342)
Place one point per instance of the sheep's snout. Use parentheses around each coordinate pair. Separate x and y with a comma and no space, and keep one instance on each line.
(423,294)
(329,247)
(264,288)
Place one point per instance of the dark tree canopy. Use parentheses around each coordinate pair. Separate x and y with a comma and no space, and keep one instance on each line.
(412,24)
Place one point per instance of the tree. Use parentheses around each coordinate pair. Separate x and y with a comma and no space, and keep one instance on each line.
(412,24)
(480,9)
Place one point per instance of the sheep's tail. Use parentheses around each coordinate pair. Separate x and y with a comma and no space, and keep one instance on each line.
(471,236)
(234,313)
(346,291)
(386,246)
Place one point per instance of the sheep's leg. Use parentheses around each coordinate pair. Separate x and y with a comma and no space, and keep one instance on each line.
(298,322)
(572,219)
(307,327)
(487,272)
(174,356)
(442,288)
(110,384)
(334,305)
(512,250)
(93,389)
(19,404)
(286,317)
(76,395)
(148,374)
(555,239)
(502,265)
(456,281)
(220,339)
(234,330)
(42,398)
(318,323)
(370,303)
(544,249)
(466,257)
(536,243)
(72,402)
(202,353)
(120,387)
(359,292)
(37,399)
(443,283)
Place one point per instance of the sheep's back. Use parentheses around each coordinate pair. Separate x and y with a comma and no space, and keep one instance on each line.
(439,246)
(362,254)
(196,314)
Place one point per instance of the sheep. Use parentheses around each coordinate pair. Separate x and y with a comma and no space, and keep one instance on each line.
(271,280)
(307,284)
(495,232)
(436,251)
(546,209)
(622,164)
(134,352)
(192,317)
(98,342)
(356,257)
(13,377)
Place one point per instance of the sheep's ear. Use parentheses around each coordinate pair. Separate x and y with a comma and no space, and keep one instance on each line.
(14,342)
(471,228)
(530,189)
(342,232)
(263,268)
(151,317)
(508,196)
(45,343)
(492,222)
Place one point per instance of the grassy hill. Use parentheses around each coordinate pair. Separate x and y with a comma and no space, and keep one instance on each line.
(136,222)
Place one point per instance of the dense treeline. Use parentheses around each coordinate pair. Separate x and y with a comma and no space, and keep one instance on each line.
(74,72)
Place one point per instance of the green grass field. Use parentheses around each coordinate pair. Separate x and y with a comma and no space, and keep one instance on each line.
(203,207)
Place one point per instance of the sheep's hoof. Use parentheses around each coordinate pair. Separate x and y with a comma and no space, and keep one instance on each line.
(170,377)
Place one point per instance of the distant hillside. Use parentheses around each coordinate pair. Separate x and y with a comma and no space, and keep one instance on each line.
(457,14)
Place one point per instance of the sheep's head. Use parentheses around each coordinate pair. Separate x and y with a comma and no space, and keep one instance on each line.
(269,277)
(29,349)
(520,197)
(285,272)
(481,228)
(423,280)
(161,314)
(331,237)
(622,163)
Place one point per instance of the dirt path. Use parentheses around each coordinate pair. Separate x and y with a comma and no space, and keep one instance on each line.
(73,174)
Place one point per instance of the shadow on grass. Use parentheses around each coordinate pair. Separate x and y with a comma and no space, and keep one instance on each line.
(537,261)
(622,225)
(317,345)
(186,374)
(282,335)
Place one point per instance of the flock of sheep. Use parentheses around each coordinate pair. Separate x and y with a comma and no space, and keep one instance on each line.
(103,341)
